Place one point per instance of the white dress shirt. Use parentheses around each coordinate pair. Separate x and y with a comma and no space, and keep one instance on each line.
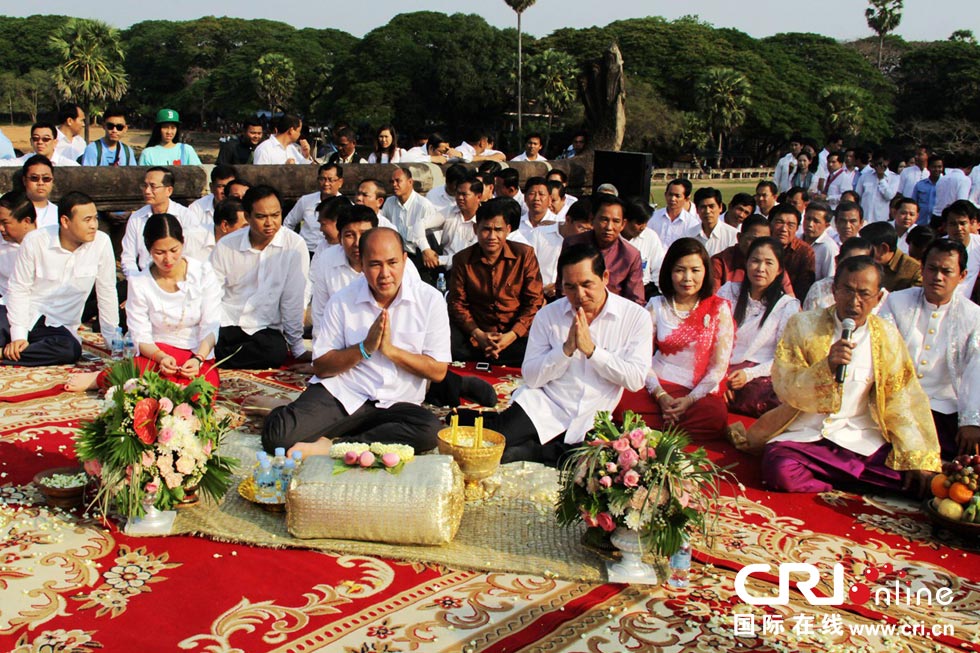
(876,195)
(825,251)
(785,168)
(57,160)
(50,281)
(953,185)
(679,367)
(70,148)
(182,319)
(200,213)
(8,257)
(272,152)
(527,229)
(330,272)
(685,225)
(466,151)
(562,394)
(975,185)
(652,253)
(440,199)
(263,289)
(397,158)
(304,214)
(48,216)
(135,256)
(972,267)
(756,340)
(411,219)
(912,175)
(722,237)
(419,323)
(199,243)
(944,344)
(457,234)
(546,241)
(836,185)
(523,157)
(418,154)
(851,427)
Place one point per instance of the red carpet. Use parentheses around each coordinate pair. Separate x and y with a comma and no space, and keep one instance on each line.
(75,586)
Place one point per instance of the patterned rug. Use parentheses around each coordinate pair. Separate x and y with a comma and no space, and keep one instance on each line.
(69,583)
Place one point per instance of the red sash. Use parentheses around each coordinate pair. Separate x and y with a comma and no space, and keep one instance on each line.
(699,328)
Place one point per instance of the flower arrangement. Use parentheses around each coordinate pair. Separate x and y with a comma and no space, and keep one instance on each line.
(154,441)
(641,479)
(389,457)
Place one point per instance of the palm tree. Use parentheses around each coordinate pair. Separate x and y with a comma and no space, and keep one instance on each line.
(519,6)
(843,109)
(275,80)
(90,69)
(722,96)
(883,16)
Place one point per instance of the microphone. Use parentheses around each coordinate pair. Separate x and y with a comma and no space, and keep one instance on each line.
(847,331)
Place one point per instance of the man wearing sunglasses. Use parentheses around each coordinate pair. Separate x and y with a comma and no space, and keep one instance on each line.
(110,149)
(44,138)
(37,175)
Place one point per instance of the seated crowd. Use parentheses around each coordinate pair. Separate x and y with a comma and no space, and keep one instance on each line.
(829,305)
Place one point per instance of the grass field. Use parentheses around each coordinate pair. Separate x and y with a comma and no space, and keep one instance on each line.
(728,188)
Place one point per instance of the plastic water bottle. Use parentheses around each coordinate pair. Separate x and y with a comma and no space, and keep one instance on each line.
(288,470)
(117,344)
(265,483)
(680,566)
(279,459)
(441,283)
(129,347)
(298,458)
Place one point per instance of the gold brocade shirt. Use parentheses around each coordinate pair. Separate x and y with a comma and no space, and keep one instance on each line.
(802,379)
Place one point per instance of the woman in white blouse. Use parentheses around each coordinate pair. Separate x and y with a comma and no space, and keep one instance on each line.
(693,334)
(386,148)
(761,309)
(171,310)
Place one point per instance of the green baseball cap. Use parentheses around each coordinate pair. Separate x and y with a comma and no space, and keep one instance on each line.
(168,115)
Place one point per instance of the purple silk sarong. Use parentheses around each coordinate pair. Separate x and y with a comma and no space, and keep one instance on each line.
(822,466)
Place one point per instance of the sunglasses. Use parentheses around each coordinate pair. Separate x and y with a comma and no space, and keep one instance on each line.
(34,179)
(115,126)
(41,139)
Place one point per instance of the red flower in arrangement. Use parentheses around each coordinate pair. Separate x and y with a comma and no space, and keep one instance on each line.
(145,419)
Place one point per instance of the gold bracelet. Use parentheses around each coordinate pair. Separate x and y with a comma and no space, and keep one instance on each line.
(660,393)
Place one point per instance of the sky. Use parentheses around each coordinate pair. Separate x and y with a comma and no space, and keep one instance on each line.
(840,19)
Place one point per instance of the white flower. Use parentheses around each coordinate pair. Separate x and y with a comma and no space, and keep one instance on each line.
(633,519)
(405,452)
(341,448)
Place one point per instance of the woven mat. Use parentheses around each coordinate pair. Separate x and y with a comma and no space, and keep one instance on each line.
(514,531)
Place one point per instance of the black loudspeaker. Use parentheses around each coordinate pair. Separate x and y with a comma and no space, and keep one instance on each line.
(629,172)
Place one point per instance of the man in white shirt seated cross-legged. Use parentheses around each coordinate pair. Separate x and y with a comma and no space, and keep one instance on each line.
(382,339)
(263,271)
(582,351)
(55,271)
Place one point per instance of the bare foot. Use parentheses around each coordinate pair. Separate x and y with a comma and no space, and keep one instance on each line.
(81,382)
(262,405)
(319,448)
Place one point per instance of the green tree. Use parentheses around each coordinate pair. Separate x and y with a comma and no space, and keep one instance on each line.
(519,7)
(963,36)
(36,91)
(722,96)
(10,93)
(551,79)
(843,109)
(883,16)
(90,63)
(275,80)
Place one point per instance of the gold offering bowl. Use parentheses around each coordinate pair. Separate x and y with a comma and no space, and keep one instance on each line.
(476,463)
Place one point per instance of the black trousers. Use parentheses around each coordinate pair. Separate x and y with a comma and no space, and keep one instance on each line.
(46,345)
(947,426)
(463,350)
(316,413)
(262,350)
(522,438)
